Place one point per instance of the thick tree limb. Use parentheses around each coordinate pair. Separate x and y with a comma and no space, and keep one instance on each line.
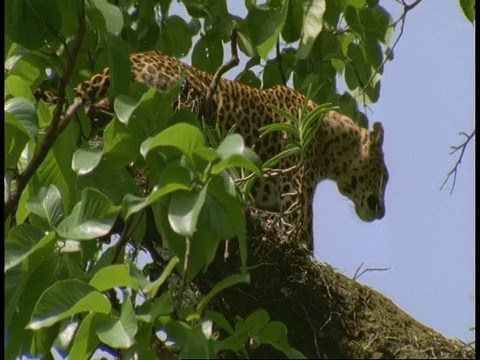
(328,315)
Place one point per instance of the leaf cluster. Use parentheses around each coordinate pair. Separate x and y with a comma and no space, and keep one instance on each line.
(82,201)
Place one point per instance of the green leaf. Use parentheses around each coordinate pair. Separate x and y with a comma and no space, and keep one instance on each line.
(265,24)
(222,285)
(275,334)
(162,305)
(112,15)
(85,160)
(16,139)
(91,218)
(86,339)
(220,320)
(353,20)
(110,178)
(232,210)
(64,299)
(312,25)
(254,323)
(375,21)
(292,28)
(207,54)
(57,168)
(172,178)
(192,341)
(124,107)
(152,288)
(184,210)
(47,204)
(113,276)
(35,22)
(15,86)
(232,145)
(361,67)
(121,143)
(183,136)
(274,160)
(22,241)
(24,116)
(118,332)
(175,38)
(119,61)
(249,78)
(468,9)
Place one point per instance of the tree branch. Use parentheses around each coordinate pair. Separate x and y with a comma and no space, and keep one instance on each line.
(402,19)
(57,125)
(234,60)
(279,61)
(462,148)
(327,314)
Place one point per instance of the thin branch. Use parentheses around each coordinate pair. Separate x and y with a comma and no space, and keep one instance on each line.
(462,148)
(222,70)
(279,62)
(56,127)
(357,275)
(402,19)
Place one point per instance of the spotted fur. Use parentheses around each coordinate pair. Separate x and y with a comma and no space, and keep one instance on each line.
(341,151)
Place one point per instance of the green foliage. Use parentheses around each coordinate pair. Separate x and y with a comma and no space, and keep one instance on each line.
(468,9)
(59,274)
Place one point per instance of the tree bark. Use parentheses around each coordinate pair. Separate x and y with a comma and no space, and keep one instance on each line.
(328,315)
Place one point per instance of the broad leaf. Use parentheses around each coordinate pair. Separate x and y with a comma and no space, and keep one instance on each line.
(25,116)
(172,178)
(86,160)
(22,241)
(113,276)
(86,339)
(91,218)
(35,22)
(118,332)
(47,204)
(184,210)
(64,299)
(184,137)
(313,11)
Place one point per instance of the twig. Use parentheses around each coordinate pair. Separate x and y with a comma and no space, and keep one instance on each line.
(56,127)
(279,61)
(222,70)
(183,281)
(130,225)
(357,275)
(454,170)
(402,18)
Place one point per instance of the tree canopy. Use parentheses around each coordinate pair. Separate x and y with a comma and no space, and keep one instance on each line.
(138,239)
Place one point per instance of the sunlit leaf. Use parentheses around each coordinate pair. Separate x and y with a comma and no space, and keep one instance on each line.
(183,136)
(91,218)
(22,241)
(86,160)
(184,210)
(64,299)
(312,25)
(47,204)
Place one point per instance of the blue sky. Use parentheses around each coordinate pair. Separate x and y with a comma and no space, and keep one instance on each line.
(427,237)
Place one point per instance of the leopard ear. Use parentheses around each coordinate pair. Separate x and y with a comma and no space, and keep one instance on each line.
(376,135)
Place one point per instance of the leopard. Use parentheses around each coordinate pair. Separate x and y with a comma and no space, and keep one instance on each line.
(341,151)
